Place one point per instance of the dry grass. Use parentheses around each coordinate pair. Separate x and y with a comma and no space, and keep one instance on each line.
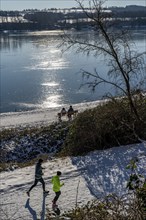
(110,208)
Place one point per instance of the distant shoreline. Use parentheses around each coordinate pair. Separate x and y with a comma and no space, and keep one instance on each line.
(19,31)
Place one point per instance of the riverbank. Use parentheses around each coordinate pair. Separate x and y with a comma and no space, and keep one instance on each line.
(38,117)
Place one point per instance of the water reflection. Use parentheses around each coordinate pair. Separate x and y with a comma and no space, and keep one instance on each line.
(12,41)
(49,59)
(42,38)
(35,73)
(50,84)
(53,101)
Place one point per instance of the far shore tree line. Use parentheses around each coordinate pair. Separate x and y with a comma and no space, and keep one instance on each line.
(48,19)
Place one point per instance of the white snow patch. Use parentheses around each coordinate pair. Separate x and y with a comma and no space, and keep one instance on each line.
(98,173)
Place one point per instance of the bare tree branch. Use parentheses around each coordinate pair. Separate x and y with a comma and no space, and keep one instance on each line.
(125,64)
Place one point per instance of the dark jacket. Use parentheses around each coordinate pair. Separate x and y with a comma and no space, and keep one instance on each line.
(70,110)
(38,171)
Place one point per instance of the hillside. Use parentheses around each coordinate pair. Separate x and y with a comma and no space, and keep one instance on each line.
(53,19)
(87,177)
(98,174)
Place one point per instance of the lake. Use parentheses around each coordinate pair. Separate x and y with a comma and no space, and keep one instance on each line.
(35,74)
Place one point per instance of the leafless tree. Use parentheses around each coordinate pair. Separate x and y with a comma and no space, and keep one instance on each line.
(127,71)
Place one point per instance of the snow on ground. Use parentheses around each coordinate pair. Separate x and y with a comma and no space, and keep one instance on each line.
(98,173)
(37,117)
(14,185)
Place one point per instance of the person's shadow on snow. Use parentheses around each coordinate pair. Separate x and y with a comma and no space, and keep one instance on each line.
(33,212)
(43,207)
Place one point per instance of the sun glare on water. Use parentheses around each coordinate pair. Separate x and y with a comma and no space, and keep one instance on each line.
(52,101)
(50,84)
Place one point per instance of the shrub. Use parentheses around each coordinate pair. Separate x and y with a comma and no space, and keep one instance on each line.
(110,208)
(107,125)
(137,184)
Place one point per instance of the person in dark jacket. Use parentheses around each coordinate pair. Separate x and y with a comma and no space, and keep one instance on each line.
(38,177)
(63,111)
(70,112)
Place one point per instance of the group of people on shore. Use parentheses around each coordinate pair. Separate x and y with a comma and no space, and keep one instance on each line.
(55,181)
(68,112)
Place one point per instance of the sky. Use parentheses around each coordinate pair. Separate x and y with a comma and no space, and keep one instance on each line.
(42,4)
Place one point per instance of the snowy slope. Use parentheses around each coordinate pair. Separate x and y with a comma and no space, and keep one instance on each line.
(97,174)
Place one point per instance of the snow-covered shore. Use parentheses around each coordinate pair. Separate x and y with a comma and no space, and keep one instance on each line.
(38,117)
(19,149)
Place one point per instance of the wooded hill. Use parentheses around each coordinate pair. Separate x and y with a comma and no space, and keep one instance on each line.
(50,19)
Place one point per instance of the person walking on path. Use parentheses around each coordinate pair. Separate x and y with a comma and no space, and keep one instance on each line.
(56,188)
(38,177)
